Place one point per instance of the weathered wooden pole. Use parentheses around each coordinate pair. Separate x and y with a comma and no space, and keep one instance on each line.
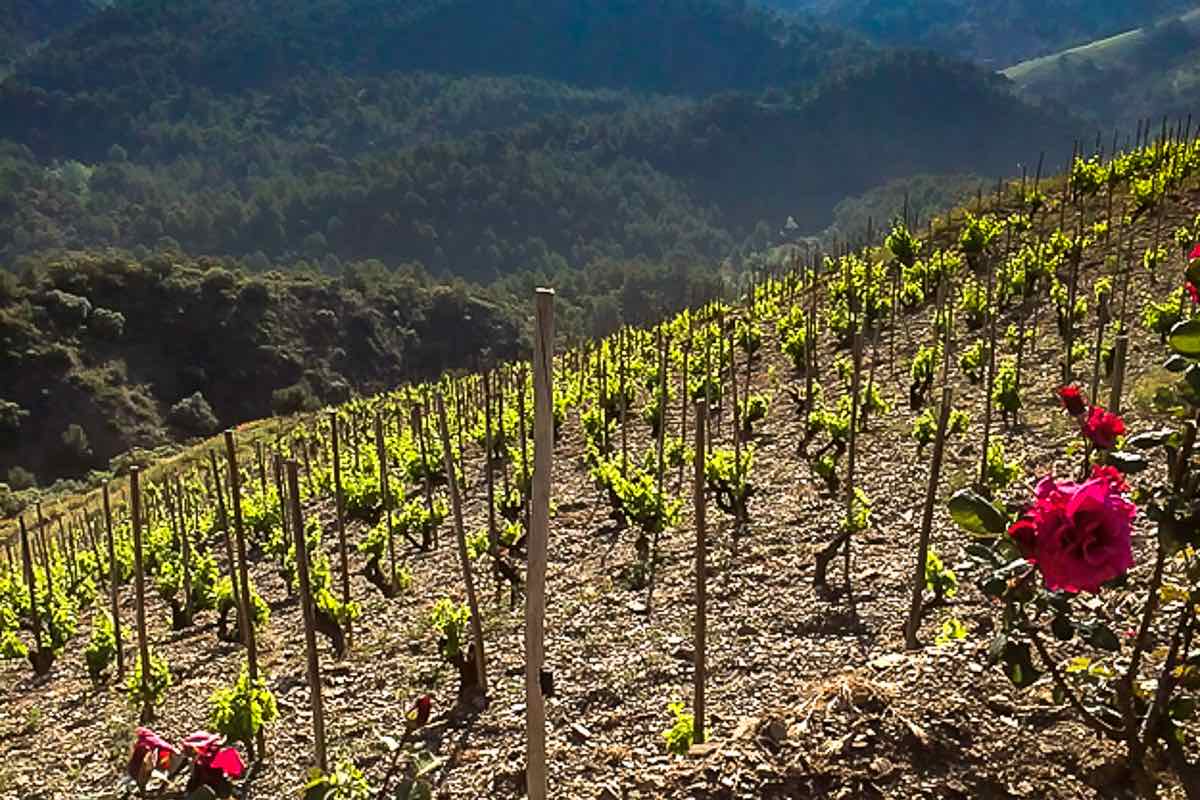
(701,633)
(245,606)
(935,471)
(461,536)
(539,529)
(114,580)
(340,510)
(135,503)
(306,602)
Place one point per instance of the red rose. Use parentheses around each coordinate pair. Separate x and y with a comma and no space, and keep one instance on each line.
(1193,292)
(1072,400)
(1112,475)
(1082,534)
(1195,253)
(1103,428)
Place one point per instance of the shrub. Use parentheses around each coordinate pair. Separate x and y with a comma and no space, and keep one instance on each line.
(11,416)
(239,712)
(75,442)
(107,324)
(294,399)
(20,478)
(193,415)
(68,310)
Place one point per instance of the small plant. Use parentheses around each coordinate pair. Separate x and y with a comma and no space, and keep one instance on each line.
(753,412)
(922,370)
(1160,318)
(102,648)
(939,579)
(971,361)
(860,513)
(239,712)
(952,631)
(972,304)
(729,480)
(345,782)
(1005,391)
(925,426)
(449,623)
(157,683)
(682,732)
(1000,474)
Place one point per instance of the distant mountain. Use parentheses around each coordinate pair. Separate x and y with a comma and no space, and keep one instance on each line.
(1149,72)
(662,182)
(85,93)
(994,33)
(24,23)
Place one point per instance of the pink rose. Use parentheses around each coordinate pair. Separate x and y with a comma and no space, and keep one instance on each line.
(1078,534)
(1103,428)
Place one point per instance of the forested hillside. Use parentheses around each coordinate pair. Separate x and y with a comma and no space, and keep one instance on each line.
(1147,73)
(25,23)
(996,33)
(309,175)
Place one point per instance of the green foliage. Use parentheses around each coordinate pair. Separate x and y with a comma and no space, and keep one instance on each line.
(635,496)
(728,478)
(924,366)
(345,782)
(999,473)
(157,683)
(1005,392)
(792,329)
(1160,317)
(939,579)
(449,623)
(859,518)
(682,733)
(953,630)
(754,411)
(972,359)
(972,304)
(102,648)
(240,711)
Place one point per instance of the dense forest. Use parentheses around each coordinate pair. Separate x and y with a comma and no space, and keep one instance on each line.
(702,180)
(995,33)
(1147,73)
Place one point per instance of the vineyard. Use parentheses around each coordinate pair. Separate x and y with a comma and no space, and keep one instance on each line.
(803,544)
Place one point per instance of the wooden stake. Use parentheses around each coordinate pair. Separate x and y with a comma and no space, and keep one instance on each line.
(306,601)
(340,505)
(935,472)
(381,450)
(31,582)
(245,605)
(701,632)
(535,608)
(113,580)
(135,497)
(460,535)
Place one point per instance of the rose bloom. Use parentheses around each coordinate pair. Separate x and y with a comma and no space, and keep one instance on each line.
(1072,400)
(1195,253)
(1079,535)
(149,744)
(1103,428)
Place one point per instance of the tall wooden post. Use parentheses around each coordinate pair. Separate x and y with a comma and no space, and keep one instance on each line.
(701,633)
(935,471)
(381,449)
(114,580)
(461,536)
(306,602)
(245,605)
(135,503)
(31,582)
(340,507)
(535,606)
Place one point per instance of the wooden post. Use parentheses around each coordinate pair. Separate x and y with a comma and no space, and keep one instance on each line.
(31,582)
(935,472)
(460,534)
(1118,378)
(340,507)
(114,580)
(135,501)
(701,633)
(381,450)
(535,604)
(490,481)
(306,601)
(244,613)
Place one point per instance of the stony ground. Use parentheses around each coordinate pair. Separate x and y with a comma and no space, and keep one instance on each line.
(809,695)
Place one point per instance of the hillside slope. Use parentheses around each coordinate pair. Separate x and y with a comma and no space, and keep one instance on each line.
(811,689)
(994,34)
(121,349)
(1148,72)
(663,181)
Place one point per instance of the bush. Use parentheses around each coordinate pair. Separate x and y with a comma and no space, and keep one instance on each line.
(193,415)
(11,416)
(294,399)
(75,442)
(20,478)
(107,324)
(69,310)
